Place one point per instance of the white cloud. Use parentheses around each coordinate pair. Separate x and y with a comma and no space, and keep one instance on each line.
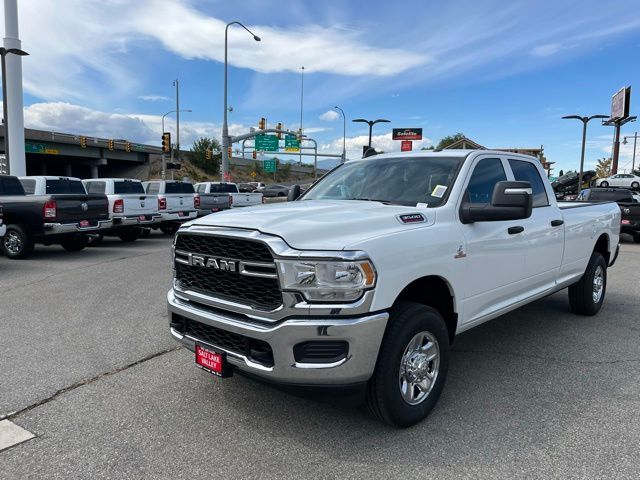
(545,50)
(379,142)
(154,98)
(316,129)
(330,116)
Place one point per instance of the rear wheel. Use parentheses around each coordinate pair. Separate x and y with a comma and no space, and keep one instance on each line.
(145,232)
(604,184)
(128,234)
(75,244)
(587,295)
(169,228)
(412,365)
(16,243)
(635,185)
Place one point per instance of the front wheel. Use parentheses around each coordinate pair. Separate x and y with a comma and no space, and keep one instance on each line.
(16,243)
(412,365)
(128,234)
(75,244)
(635,185)
(604,184)
(587,295)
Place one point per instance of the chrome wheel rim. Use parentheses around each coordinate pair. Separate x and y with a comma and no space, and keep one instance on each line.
(598,284)
(13,242)
(419,367)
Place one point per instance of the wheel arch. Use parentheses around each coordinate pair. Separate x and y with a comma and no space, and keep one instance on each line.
(436,292)
(602,246)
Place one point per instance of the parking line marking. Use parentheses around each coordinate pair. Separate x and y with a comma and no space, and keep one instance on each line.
(11,434)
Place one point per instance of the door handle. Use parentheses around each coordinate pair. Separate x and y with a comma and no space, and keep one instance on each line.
(514,230)
(556,223)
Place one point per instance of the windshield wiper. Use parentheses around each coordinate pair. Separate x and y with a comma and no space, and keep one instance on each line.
(386,202)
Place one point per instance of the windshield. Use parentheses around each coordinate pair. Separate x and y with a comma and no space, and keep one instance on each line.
(402,181)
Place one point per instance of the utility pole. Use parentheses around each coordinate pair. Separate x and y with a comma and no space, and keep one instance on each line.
(633,159)
(176,84)
(301,106)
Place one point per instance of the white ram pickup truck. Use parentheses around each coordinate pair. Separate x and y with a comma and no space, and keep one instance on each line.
(129,207)
(177,203)
(363,282)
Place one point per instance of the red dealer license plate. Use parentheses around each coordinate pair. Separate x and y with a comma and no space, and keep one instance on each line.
(142,218)
(211,361)
(84,223)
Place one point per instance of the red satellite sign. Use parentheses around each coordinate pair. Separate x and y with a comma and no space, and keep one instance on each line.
(407,134)
(405,146)
(620,104)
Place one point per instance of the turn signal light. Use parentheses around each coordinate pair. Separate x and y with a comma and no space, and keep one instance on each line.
(50,209)
(162,203)
(118,206)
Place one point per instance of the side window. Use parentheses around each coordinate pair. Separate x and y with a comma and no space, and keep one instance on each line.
(29,186)
(201,188)
(95,187)
(153,188)
(486,174)
(527,172)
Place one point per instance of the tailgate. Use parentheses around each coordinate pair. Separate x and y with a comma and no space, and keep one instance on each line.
(179,202)
(246,199)
(630,211)
(73,208)
(208,201)
(139,204)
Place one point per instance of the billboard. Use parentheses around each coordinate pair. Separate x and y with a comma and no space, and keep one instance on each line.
(407,134)
(620,104)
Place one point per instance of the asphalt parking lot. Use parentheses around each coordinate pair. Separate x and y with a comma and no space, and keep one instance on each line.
(87,366)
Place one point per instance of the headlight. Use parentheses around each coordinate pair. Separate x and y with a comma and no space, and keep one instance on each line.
(332,281)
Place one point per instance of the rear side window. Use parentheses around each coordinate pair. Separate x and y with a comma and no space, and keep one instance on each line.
(128,187)
(11,186)
(486,174)
(178,187)
(223,188)
(29,186)
(64,186)
(527,172)
(153,188)
(201,188)
(95,187)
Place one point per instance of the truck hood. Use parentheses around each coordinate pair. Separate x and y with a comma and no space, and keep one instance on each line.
(320,224)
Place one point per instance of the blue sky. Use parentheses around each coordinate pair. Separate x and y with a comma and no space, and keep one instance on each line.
(501,72)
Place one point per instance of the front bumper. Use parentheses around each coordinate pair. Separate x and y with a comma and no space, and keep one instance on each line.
(66,228)
(363,334)
(176,217)
(135,220)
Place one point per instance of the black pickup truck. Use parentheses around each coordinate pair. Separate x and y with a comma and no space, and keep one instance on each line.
(630,208)
(65,219)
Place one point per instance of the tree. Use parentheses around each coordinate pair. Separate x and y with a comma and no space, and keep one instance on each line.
(603,168)
(430,147)
(199,157)
(448,140)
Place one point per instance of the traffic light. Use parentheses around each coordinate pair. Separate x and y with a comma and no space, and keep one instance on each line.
(255,155)
(299,135)
(83,142)
(111,145)
(208,154)
(166,142)
(127,146)
(229,152)
(279,127)
(263,124)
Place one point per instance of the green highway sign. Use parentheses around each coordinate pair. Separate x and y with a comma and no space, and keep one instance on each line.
(269,166)
(34,147)
(291,143)
(267,143)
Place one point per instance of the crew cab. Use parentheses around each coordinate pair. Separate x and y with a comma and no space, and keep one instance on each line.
(362,283)
(53,218)
(177,203)
(629,206)
(211,190)
(129,208)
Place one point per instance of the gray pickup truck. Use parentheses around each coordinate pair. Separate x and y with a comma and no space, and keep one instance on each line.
(212,202)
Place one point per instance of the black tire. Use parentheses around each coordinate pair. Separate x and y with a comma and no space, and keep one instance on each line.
(96,240)
(75,244)
(16,243)
(604,184)
(582,296)
(145,232)
(635,185)
(169,228)
(384,398)
(128,235)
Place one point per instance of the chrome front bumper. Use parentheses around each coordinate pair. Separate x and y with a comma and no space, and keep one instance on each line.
(63,228)
(364,335)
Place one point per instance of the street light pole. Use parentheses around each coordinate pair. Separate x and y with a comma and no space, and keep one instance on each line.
(164,159)
(371,123)
(584,121)
(633,159)
(344,134)
(301,105)
(177,85)
(225,126)
(4,52)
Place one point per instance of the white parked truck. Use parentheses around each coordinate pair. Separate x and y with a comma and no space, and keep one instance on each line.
(236,199)
(130,208)
(177,203)
(363,282)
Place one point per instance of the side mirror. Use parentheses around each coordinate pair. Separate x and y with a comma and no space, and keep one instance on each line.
(510,201)
(294,193)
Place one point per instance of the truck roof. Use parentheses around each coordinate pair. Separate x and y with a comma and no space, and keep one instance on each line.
(114,179)
(48,177)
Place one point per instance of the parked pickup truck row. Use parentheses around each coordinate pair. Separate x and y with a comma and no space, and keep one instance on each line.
(362,283)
